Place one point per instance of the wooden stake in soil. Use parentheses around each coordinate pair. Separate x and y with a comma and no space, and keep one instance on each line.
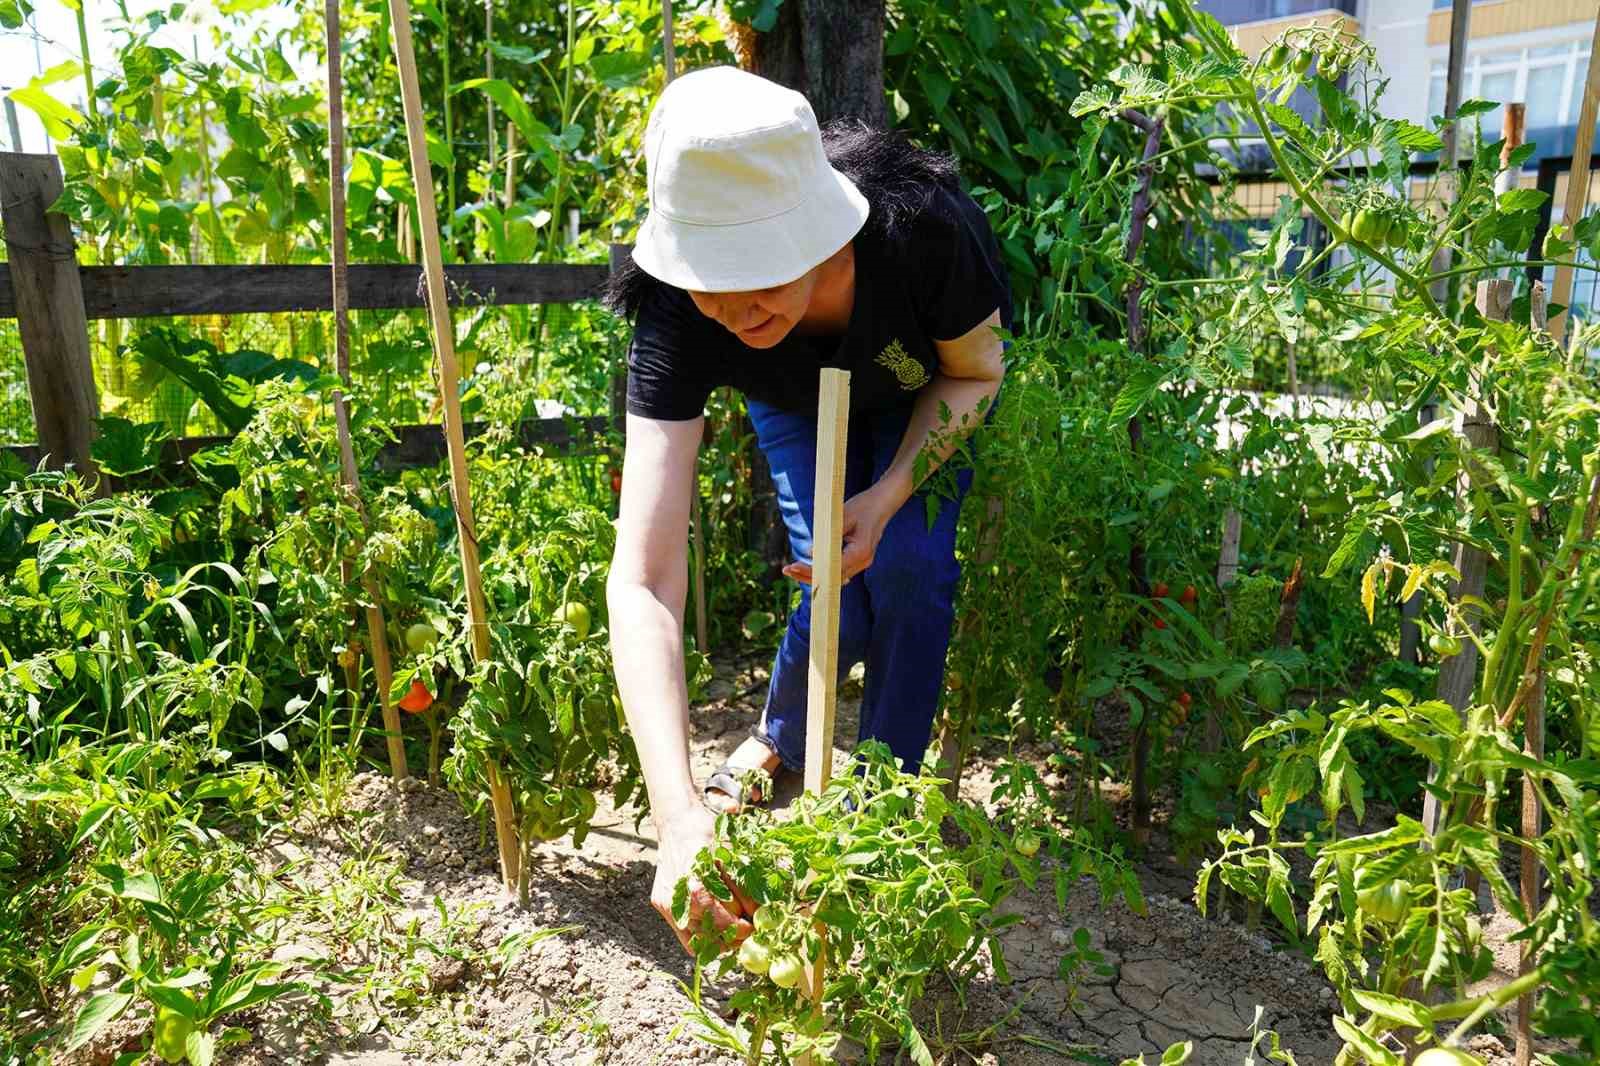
(377,630)
(827,548)
(1458,674)
(444,347)
(1578,180)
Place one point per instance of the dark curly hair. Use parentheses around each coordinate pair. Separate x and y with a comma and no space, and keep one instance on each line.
(892,173)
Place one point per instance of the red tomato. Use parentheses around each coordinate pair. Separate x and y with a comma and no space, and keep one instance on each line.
(1189,596)
(1184,699)
(616,482)
(1160,590)
(418,699)
(1161,623)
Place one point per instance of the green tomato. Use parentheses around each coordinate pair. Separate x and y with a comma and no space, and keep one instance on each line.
(1446,1056)
(1027,843)
(786,969)
(1388,903)
(171,1034)
(575,615)
(755,957)
(768,918)
(1278,56)
(1347,221)
(420,637)
(1444,645)
(1367,227)
(622,718)
(1302,61)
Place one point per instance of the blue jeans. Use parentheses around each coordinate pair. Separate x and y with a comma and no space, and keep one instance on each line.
(896,616)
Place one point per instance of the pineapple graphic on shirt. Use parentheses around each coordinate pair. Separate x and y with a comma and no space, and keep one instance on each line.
(910,373)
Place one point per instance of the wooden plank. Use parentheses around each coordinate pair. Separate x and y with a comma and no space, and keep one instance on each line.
(157,291)
(827,548)
(1578,183)
(415,445)
(48,302)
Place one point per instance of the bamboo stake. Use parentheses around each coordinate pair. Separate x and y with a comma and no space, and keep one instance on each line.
(1458,673)
(1578,180)
(377,629)
(449,393)
(697,552)
(827,550)
(667,56)
(1533,745)
(1461,18)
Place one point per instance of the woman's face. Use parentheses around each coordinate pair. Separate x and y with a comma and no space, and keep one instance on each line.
(761,317)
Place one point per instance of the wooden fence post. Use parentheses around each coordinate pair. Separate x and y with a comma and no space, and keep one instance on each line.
(50,313)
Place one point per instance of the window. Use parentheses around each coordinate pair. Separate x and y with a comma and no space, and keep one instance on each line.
(1548,78)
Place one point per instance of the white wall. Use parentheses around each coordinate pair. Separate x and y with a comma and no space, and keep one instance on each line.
(1398,29)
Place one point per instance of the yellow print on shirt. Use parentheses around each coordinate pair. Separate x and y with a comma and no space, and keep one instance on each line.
(910,373)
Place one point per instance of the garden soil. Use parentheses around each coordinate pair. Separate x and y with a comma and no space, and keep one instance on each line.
(602,980)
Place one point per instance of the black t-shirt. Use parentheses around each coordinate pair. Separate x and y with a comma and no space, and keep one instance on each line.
(940,278)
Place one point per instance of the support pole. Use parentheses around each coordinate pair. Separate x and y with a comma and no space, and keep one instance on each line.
(668,58)
(827,550)
(1455,69)
(377,628)
(444,347)
(50,315)
(1458,674)
(1578,181)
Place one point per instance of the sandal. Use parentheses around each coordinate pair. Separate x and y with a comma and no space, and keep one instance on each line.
(742,784)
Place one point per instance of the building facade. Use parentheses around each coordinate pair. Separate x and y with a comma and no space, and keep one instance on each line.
(1532,51)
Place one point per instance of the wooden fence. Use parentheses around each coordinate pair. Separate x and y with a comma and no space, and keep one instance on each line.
(53,299)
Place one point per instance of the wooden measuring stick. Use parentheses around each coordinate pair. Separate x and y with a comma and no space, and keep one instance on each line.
(827,547)
(444,346)
(377,628)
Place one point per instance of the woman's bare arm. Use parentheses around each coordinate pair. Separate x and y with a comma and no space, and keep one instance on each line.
(645,594)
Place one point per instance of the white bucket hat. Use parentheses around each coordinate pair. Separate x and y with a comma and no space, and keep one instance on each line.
(742,196)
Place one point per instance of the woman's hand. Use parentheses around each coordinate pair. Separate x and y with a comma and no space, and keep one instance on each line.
(681,838)
(865,516)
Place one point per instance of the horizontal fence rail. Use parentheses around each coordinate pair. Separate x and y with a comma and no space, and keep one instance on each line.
(160,291)
(53,299)
(414,445)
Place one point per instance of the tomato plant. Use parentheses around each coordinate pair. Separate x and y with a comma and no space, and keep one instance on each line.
(864,868)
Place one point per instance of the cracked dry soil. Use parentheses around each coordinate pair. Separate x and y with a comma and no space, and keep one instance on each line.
(609,992)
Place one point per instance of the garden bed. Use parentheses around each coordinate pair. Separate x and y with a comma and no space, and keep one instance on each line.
(611,990)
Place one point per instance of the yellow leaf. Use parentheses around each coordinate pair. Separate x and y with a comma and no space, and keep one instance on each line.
(1369,589)
(1414,576)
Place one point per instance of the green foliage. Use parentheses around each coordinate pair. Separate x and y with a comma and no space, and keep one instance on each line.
(866,869)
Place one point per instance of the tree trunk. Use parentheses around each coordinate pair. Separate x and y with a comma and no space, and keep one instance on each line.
(830,50)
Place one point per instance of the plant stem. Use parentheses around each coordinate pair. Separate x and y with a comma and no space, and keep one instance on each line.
(83,57)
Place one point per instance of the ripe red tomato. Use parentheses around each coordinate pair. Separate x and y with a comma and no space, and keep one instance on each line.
(418,699)
(1184,699)
(1189,596)
(1160,590)
(1161,623)
(616,482)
